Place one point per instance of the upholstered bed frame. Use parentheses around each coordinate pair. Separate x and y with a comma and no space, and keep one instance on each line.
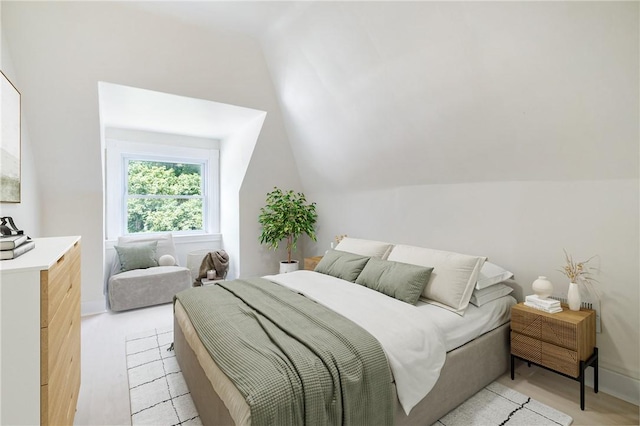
(467,369)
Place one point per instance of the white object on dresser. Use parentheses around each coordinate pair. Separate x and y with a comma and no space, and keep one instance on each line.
(40,333)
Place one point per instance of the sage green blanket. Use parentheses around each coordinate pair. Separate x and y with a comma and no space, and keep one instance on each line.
(295,361)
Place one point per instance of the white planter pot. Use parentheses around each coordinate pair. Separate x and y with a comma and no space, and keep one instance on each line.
(288,267)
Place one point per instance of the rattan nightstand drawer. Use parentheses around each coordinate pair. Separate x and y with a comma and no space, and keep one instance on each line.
(555,357)
(545,328)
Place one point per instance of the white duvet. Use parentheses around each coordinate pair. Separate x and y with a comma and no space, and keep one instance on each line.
(414,345)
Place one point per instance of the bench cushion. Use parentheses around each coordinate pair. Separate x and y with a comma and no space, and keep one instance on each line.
(147,287)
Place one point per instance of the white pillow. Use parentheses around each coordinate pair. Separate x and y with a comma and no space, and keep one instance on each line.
(491,274)
(486,295)
(365,247)
(166,260)
(453,277)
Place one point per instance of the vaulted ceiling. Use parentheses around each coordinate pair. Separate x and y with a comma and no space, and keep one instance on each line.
(383,94)
(386,94)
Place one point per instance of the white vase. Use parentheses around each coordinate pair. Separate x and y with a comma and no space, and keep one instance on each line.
(573,297)
(286,267)
(542,287)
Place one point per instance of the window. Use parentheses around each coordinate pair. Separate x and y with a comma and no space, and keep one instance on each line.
(164,196)
(161,188)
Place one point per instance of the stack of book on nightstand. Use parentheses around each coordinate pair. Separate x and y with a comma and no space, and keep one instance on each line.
(542,303)
(12,246)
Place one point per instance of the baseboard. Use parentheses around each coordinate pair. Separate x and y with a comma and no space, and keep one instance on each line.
(92,307)
(615,384)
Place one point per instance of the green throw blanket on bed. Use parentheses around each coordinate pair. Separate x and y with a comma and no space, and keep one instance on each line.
(295,361)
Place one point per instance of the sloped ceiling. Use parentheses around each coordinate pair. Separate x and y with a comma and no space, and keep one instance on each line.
(140,109)
(388,94)
(384,94)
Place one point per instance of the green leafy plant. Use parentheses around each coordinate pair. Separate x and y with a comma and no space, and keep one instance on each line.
(286,215)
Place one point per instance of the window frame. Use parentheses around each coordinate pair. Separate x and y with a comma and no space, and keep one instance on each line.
(119,152)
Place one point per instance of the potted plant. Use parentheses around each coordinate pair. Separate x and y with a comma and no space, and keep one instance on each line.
(286,215)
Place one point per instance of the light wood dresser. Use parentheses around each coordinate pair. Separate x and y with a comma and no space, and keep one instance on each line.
(564,342)
(40,334)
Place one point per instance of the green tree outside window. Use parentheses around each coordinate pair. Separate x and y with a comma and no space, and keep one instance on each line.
(163,196)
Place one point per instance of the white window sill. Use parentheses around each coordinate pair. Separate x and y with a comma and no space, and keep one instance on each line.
(178,239)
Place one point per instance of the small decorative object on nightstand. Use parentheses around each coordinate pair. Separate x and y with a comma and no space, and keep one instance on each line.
(542,287)
(310,263)
(564,342)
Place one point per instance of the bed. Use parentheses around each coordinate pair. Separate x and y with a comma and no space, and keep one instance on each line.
(434,367)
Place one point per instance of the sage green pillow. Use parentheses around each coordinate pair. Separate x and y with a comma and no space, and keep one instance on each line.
(401,281)
(137,256)
(341,264)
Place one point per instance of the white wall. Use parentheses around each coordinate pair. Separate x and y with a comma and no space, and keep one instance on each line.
(26,214)
(522,226)
(271,165)
(59,66)
(236,151)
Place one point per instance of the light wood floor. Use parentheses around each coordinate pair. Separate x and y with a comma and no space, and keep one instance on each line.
(563,394)
(104,392)
(104,388)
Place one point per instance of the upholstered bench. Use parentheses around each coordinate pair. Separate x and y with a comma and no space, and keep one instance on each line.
(146,286)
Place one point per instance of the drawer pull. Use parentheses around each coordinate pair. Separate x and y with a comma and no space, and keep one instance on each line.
(61,258)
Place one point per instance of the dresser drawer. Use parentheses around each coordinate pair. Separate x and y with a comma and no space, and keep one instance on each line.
(56,282)
(58,399)
(545,328)
(56,339)
(64,380)
(552,356)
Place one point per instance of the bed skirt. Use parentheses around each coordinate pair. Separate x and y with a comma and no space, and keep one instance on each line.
(467,369)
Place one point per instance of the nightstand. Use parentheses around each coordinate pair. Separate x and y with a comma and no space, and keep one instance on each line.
(311,262)
(206,281)
(564,342)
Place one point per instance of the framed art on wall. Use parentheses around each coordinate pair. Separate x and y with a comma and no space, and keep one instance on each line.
(9,142)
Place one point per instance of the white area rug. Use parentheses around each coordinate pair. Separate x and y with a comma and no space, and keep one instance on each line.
(499,405)
(159,394)
(157,390)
